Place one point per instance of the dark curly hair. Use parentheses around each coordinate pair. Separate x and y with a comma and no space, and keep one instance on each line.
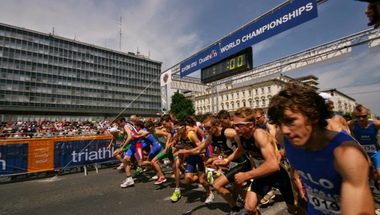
(299,99)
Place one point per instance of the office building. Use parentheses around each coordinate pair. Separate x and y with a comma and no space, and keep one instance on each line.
(45,76)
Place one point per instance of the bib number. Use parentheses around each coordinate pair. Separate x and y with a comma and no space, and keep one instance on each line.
(331,207)
(370,148)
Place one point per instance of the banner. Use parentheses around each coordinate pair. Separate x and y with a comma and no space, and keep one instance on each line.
(21,156)
(286,17)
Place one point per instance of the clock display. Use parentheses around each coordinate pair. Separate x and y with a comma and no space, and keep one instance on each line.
(237,63)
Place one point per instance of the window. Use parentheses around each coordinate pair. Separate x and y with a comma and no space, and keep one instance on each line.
(262,90)
(263,102)
(269,90)
(257,92)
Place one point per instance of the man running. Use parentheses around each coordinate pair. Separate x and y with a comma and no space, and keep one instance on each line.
(365,131)
(219,136)
(332,165)
(118,137)
(136,148)
(186,140)
(267,172)
(165,153)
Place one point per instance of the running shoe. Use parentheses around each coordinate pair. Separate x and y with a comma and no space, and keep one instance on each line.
(176,196)
(160,181)
(270,195)
(210,199)
(155,177)
(210,179)
(138,170)
(127,182)
(120,167)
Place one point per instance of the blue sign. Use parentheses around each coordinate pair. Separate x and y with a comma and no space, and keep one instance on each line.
(72,151)
(289,16)
(13,159)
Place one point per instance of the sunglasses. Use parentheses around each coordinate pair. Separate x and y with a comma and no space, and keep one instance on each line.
(177,128)
(362,116)
(207,128)
(239,124)
(258,117)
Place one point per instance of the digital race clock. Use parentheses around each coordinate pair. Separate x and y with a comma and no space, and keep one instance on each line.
(235,64)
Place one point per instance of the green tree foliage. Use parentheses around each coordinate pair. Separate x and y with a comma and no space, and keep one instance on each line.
(181,106)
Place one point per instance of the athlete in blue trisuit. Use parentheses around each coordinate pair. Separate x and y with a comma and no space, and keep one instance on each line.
(148,142)
(332,165)
(135,149)
(365,131)
(186,140)
(158,134)
(267,173)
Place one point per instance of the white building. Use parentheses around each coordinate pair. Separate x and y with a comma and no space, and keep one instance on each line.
(342,102)
(258,95)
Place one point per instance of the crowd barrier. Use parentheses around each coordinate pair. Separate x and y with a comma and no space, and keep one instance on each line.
(24,156)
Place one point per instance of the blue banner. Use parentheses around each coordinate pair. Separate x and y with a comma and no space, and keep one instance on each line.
(289,16)
(13,159)
(65,151)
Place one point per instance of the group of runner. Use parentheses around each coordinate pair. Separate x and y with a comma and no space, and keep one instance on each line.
(329,168)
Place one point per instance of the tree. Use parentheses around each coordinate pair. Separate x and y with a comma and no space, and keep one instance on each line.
(181,106)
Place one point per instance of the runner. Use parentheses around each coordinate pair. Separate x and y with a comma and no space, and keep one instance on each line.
(332,165)
(135,148)
(219,136)
(119,139)
(152,133)
(225,119)
(166,152)
(334,115)
(365,131)
(262,122)
(186,140)
(268,173)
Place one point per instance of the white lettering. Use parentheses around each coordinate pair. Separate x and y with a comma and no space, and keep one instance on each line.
(229,46)
(87,155)
(320,182)
(3,164)
(41,161)
(41,155)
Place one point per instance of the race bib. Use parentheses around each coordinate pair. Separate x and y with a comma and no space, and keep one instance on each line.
(323,205)
(370,148)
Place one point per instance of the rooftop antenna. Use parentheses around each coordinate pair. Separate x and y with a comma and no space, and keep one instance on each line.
(138,52)
(121,19)
(149,54)
(53,30)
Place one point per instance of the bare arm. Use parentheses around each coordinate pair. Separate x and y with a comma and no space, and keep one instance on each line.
(270,165)
(198,150)
(239,151)
(352,164)
(168,136)
(129,135)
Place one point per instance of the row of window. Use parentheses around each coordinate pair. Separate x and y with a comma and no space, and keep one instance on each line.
(23,58)
(206,109)
(19,38)
(79,106)
(107,83)
(74,95)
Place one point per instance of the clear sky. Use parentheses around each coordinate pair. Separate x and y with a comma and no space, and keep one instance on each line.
(172,30)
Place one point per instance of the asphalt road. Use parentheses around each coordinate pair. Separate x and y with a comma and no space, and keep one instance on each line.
(100,193)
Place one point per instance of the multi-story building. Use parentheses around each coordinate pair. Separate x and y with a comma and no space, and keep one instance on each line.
(342,102)
(258,95)
(44,76)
